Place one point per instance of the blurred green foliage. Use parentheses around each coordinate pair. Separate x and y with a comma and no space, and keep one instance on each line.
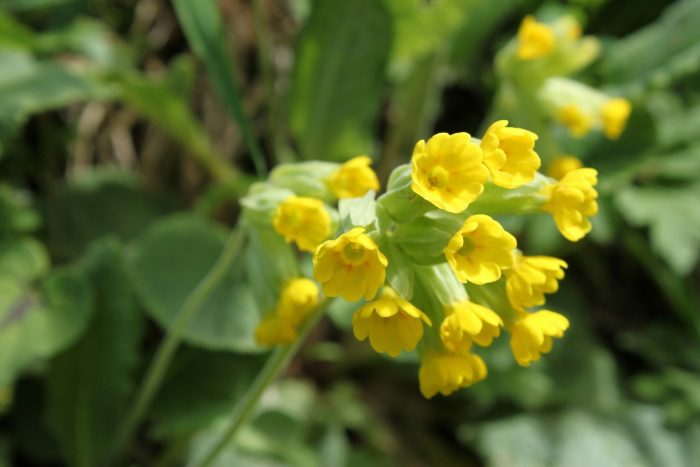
(127,136)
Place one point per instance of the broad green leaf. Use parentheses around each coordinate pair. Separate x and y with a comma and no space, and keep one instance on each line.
(22,259)
(276,436)
(76,211)
(338,78)
(168,261)
(89,383)
(658,54)
(36,324)
(635,436)
(673,217)
(202,24)
(201,386)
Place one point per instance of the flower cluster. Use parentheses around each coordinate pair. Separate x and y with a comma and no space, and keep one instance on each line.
(536,70)
(437,271)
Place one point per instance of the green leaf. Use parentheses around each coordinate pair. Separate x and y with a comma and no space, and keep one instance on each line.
(23,259)
(36,324)
(276,436)
(338,78)
(29,86)
(202,23)
(90,382)
(76,211)
(658,54)
(167,262)
(199,387)
(357,212)
(399,273)
(673,217)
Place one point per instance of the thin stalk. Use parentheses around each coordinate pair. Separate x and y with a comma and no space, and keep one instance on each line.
(164,355)
(275,364)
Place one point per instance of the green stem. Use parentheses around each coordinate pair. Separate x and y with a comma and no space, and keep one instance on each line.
(276,363)
(160,363)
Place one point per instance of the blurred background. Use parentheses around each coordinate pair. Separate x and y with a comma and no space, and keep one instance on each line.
(129,129)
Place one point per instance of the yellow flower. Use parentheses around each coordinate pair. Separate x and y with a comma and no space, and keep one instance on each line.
(467,322)
(298,298)
(574,119)
(302,220)
(391,323)
(509,154)
(535,39)
(532,335)
(531,277)
(572,200)
(275,330)
(354,178)
(615,113)
(448,171)
(351,266)
(447,372)
(479,250)
(562,165)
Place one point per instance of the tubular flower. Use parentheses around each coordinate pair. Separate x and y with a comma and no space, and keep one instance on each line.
(448,171)
(275,330)
(467,322)
(354,178)
(572,200)
(391,323)
(575,120)
(351,266)
(531,277)
(298,298)
(479,250)
(615,113)
(302,220)
(532,335)
(447,372)
(562,165)
(509,154)
(535,39)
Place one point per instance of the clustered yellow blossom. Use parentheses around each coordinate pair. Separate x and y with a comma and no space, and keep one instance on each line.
(448,171)
(353,179)
(572,200)
(561,165)
(479,250)
(350,266)
(466,323)
(531,277)
(615,113)
(532,333)
(535,39)
(296,301)
(391,323)
(509,155)
(445,197)
(302,220)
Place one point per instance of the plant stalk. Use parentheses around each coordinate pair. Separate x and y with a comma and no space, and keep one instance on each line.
(275,364)
(156,371)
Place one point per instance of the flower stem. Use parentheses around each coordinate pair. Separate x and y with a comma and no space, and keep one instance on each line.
(164,355)
(275,364)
